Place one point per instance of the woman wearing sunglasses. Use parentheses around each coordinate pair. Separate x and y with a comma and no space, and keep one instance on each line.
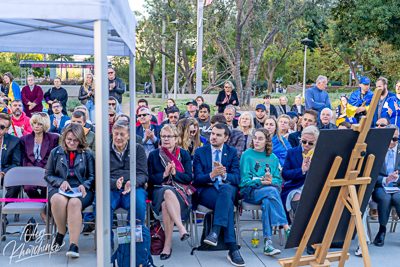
(112,117)
(36,148)
(170,177)
(261,184)
(296,166)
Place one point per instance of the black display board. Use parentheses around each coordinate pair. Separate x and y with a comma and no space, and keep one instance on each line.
(332,143)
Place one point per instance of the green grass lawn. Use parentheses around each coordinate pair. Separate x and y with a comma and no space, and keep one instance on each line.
(152,101)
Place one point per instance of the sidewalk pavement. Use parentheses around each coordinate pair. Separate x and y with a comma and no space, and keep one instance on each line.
(384,256)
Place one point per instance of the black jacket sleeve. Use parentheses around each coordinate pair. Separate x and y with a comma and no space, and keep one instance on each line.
(88,182)
(82,93)
(16,157)
(220,98)
(142,174)
(50,177)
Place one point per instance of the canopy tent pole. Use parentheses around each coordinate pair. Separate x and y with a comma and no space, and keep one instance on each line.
(103,226)
(132,167)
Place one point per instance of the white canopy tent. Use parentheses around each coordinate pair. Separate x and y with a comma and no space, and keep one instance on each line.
(75,27)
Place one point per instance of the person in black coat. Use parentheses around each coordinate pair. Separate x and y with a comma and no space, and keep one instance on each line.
(298,107)
(70,166)
(170,188)
(309,119)
(10,153)
(271,108)
(227,97)
(57,93)
(116,85)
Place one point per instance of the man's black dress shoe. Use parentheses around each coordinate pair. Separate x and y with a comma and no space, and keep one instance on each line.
(164,256)
(235,258)
(185,236)
(310,250)
(380,239)
(211,239)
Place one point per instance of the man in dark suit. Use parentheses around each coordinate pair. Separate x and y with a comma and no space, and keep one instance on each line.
(325,122)
(149,132)
(10,153)
(309,118)
(388,177)
(236,137)
(216,177)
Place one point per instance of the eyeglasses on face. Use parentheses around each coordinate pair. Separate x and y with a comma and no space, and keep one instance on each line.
(380,125)
(2,127)
(110,72)
(57,106)
(40,113)
(142,115)
(167,136)
(69,140)
(309,143)
(395,139)
(173,117)
(192,132)
(111,115)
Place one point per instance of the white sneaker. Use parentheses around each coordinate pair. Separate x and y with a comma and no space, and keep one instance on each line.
(358,252)
(269,250)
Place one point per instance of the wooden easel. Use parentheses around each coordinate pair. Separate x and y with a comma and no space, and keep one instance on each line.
(347,197)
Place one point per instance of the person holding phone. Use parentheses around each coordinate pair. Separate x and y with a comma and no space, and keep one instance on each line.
(261,184)
(70,165)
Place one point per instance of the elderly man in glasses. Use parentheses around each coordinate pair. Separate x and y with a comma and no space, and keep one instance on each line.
(149,132)
(116,85)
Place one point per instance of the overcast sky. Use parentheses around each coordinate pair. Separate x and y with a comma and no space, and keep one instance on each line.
(137,5)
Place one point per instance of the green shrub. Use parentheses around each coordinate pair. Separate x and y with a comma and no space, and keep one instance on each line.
(72,104)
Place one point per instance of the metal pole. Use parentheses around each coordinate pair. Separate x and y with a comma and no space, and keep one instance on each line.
(304,76)
(132,162)
(199,67)
(103,226)
(176,67)
(350,77)
(163,65)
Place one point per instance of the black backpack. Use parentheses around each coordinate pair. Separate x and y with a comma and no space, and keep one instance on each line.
(207,227)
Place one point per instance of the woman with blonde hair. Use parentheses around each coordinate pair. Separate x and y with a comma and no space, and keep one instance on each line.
(189,135)
(70,167)
(227,97)
(280,144)
(246,125)
(284,126)
(86,95)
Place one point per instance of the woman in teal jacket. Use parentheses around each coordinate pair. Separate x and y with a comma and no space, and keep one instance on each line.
(261,184)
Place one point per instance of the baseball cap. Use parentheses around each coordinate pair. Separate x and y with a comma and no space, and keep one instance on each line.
(351,120)
(365,80)
(192,102)
(292,114)
(261,106)
(172,109)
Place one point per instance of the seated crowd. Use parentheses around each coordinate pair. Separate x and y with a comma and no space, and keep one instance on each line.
(189,160)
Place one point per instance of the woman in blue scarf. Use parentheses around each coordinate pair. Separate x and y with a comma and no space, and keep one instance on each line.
(279,143)
(391,108)
(14,93)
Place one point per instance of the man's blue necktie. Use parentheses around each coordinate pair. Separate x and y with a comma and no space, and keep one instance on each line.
(216,184)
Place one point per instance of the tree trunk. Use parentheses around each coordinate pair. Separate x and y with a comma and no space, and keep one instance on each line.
(151,73)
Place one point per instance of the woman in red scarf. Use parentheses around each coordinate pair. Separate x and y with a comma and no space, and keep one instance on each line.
(170,177)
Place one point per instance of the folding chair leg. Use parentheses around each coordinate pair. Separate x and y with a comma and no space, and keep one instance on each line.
(3,228)
(195,228)
(280,237)
(238,234)
(191,228)
(252,212)
(369,227)
(257,215)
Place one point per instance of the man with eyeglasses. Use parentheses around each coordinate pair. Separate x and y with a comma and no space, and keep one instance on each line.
(216,178)
(388,177)
(58,119)
(173,116)
(116,85)
(149,132)
(19,118)
(309,119)
(204,121)
(10,152)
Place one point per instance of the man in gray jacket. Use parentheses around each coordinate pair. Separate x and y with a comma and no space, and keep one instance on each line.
(116,85)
